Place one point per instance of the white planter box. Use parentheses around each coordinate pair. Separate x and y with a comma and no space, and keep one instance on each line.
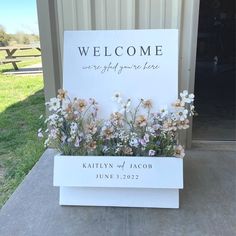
(119,181)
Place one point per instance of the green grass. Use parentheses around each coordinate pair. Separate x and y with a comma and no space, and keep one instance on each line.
(21,104)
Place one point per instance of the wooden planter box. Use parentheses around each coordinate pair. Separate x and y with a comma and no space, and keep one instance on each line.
(119,181)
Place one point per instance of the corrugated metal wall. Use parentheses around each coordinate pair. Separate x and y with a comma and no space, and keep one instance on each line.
(134,14)
(117,14)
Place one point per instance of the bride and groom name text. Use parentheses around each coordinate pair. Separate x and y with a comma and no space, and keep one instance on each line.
(123,166)
(111,166)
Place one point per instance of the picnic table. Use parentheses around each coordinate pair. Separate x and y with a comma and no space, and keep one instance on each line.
(12,58)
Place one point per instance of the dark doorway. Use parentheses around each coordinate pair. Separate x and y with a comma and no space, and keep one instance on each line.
(215,72)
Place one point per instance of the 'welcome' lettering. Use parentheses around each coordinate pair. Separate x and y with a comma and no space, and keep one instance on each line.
(83,51)
(120,51)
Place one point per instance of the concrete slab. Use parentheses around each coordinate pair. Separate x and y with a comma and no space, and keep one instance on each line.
(208,205)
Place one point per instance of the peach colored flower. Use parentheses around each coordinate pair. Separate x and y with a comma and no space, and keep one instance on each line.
(91,128)
(117,118)
(147,104)
(62,94)
(108,133)
(80,104)
(179,151)
(178,104)
(92,145)
(127,151)
(184,124)
(169,125)
(141,121)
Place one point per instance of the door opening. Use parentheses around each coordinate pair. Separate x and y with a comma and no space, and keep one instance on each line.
(215,72)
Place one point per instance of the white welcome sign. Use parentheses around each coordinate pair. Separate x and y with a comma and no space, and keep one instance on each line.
(136,63)
(119,181)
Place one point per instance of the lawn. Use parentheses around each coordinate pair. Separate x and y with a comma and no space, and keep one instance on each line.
(21,104)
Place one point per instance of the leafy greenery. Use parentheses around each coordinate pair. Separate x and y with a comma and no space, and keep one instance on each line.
(18,38)
(4,37)
(21,103)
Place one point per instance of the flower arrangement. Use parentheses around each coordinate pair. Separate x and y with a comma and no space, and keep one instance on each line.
(75,129)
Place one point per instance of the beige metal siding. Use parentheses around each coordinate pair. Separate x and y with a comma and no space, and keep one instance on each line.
(132,14)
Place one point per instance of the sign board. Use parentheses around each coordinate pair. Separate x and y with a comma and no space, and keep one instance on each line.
(104,181)
(118,172)
(136,63)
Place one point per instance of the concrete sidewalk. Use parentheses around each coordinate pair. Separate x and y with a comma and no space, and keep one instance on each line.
(207,207)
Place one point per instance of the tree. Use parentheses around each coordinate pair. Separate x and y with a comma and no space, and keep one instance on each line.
(4,37)
(25,39)
(22,38)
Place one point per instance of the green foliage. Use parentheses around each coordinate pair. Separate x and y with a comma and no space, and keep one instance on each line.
(21,103)
(18,38)
(23,38)
(4,37)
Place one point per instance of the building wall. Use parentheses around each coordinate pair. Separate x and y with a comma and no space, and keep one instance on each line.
(117,14)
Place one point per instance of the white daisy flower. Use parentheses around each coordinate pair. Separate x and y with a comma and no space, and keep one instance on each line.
(163,111)
(151,152)
(181,114)
(133,142)
(146,138)
(143,142)
(53,119)
(184,94)
(192,109)
(65,104)
(183,124)
(125,107)
(77,142)
(73,128)
(54,104)
(178,104)
(46,142)
(188,98)
(53,133)
(40,133)
(63,138)
(105,149)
